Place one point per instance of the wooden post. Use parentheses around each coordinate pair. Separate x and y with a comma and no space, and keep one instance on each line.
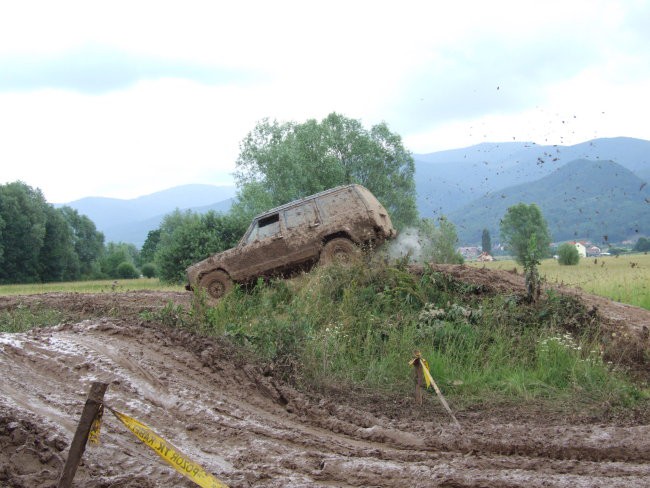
(78,446)
(419,380)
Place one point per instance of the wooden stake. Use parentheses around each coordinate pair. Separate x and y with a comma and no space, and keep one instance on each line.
(419,381)
(78,446)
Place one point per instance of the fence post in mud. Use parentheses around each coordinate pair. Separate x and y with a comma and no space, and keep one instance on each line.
(78,446)
(419,380)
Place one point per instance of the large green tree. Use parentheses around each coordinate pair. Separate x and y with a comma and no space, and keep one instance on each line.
(88,242)
(187,237)
(486,242)
(148,250)
(40,243)
(520,223)
(59,260)
(286,161)
(23,210)
(525,231)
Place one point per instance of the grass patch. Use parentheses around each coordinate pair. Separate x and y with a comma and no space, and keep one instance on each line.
(625,278)
(95,286)
(358,327)
(22,319)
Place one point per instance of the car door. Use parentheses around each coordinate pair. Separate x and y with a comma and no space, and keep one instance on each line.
(302,232)
(265,249)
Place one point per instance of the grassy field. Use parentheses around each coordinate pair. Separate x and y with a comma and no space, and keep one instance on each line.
(98,286)
(625,279)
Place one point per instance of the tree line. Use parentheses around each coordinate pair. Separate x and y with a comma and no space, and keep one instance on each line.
(40,243)
(278,163)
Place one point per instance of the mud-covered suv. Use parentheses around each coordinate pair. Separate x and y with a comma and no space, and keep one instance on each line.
(327,226)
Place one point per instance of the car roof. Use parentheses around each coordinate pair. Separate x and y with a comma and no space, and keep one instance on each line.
(303,200)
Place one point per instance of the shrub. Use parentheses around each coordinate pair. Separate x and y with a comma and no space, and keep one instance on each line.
(126,270)
(568,254)
(149,270)
(642,245)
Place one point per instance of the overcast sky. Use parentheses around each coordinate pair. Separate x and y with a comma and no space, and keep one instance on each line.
(122,99)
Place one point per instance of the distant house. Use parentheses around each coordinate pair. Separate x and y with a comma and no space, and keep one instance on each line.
(582,250)
(485,258)
(470,253)
(593,251)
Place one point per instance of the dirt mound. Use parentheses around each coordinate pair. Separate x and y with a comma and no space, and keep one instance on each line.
(625,328)
(77,306)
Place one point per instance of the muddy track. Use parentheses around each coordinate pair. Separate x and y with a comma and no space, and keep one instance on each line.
(250,430)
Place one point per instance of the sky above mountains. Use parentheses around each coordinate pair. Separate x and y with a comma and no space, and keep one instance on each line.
(122,99)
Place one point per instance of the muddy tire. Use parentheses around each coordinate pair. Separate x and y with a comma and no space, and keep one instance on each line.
(216,284)
(339,250)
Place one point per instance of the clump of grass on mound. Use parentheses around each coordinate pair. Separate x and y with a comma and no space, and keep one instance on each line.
(359,326)
(22,319)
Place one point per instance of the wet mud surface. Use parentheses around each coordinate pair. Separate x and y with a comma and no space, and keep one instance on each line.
(250,430)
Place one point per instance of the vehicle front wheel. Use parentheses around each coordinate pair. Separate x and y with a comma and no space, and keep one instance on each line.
(339,250)
(216,284)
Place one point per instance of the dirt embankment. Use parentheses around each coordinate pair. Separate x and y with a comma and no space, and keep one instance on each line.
(250,430)
(625,329)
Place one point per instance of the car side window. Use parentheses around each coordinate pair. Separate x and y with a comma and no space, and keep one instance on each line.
(302,215)
(268,226)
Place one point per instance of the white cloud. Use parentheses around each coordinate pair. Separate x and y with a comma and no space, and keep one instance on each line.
(184,82)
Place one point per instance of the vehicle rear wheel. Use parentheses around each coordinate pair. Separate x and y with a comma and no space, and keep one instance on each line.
(339,250)
(216,284)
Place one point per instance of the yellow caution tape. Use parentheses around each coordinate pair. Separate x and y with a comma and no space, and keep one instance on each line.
(425,368)
(429,381)
(169,453)
(93,435)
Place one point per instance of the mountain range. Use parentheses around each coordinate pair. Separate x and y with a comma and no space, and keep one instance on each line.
(587,190)
(448,180)
(130,220)
(596,200)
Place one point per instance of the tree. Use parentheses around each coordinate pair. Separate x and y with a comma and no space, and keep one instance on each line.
(149,270)
(23,210)
(187,237)
(59,260)
(126,270)
(439,242)
(291,160)
(568,254)
(486,242)
(148,250)
(526,233)
(88,242)
(642,245)
(116,254)
(519,224)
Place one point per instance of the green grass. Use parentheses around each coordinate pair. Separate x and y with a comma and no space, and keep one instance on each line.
(96,286)
(359,327)
(625,278)
(22,319)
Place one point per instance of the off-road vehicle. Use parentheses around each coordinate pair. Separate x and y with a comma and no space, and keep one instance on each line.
(332,225)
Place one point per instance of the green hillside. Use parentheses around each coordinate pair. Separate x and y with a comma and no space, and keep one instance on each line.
(583,199)
(449,180)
